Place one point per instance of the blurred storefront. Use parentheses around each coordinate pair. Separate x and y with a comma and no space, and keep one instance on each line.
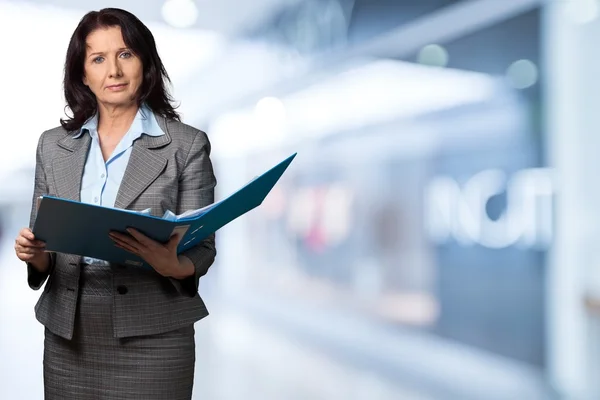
(420,202)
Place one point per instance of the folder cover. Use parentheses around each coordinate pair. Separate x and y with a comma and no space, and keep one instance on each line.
(78,228)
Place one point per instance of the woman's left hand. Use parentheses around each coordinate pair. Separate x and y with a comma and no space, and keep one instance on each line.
(162,257)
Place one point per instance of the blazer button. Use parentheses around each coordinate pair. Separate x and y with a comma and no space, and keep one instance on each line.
(122,289)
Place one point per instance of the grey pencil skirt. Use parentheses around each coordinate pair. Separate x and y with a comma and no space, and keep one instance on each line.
(96,365)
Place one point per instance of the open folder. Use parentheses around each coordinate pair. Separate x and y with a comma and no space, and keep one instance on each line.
(78,228)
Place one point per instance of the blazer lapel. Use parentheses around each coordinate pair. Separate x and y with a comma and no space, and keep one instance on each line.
(68,170)
(144,166)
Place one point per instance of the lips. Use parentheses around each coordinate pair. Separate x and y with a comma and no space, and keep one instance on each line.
(117,86)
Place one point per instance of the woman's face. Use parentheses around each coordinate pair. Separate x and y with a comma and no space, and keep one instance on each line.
(111,70)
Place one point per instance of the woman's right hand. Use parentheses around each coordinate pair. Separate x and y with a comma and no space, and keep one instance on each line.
(32,251)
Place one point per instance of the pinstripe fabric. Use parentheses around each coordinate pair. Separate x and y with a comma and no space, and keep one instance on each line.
(95,365)
(124,338)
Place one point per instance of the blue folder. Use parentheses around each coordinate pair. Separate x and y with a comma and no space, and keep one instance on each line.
(78,228)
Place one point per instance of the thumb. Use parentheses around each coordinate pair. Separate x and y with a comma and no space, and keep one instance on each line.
(174,241)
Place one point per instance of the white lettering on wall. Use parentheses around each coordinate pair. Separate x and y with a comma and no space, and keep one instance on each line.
(459,212)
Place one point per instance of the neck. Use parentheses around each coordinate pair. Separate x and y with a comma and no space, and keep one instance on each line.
(115,120)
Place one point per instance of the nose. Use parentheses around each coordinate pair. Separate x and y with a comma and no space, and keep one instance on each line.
(115,68)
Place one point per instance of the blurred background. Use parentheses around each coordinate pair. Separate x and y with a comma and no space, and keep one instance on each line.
(435,238)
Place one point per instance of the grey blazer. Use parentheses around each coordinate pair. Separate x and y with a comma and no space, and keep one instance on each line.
(168,172)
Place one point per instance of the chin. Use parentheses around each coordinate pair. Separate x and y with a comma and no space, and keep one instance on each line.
(119,101)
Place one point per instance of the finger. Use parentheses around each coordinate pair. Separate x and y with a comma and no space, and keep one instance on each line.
(130,245)
(123,237)
(127,245)
(35,243)
(29,247)
(29,243)
(27,234)
(123,240)
(28,250)
(140,237)
(26,257)
(129,249)
(173,241)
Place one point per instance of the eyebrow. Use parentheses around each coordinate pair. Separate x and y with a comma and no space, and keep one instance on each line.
(99,53)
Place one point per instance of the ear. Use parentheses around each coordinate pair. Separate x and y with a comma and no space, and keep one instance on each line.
(85,81)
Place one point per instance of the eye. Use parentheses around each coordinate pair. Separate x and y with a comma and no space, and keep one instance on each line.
(98,60)
(126,54)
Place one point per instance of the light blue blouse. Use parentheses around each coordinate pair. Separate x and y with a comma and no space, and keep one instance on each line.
(101,180)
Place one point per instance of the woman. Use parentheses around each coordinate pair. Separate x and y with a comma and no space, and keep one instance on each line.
(113,331)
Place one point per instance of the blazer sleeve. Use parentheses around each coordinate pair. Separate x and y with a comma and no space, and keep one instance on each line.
(36,279)
(196,189)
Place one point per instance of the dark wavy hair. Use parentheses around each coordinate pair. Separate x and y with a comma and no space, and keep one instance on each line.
(138,38)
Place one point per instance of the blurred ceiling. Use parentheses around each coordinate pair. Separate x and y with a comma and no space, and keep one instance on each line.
(230,18)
